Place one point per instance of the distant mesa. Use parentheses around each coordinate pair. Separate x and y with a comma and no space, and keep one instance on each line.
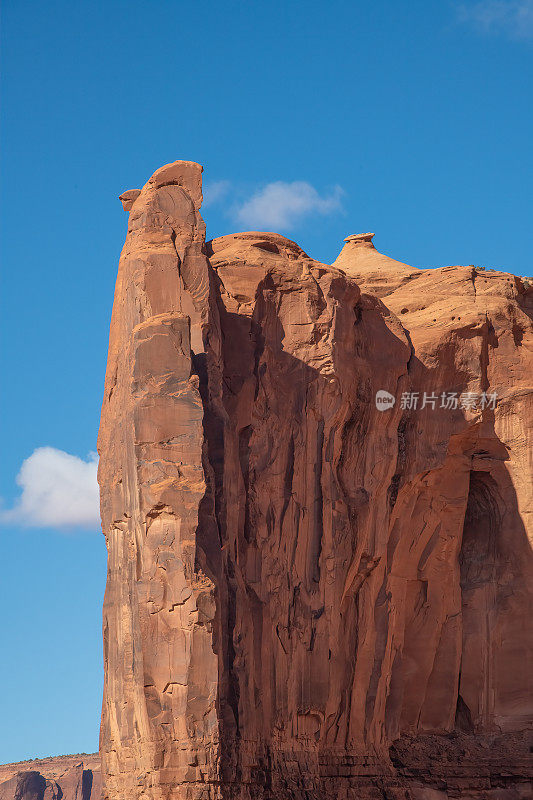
(74,777)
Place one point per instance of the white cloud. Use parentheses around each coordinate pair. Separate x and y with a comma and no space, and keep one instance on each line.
(59,490)
(282,205)
(511,17)
(215,191)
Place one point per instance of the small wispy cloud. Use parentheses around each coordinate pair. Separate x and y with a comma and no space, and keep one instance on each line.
(281,205)
(214,192)
(513,18)
(59,490)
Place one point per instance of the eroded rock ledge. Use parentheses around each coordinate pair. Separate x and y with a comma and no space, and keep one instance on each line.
(307,596)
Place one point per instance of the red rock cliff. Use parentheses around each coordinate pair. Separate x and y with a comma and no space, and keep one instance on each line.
(309,596)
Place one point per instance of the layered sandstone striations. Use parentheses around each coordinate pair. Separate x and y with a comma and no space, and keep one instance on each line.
(310,597)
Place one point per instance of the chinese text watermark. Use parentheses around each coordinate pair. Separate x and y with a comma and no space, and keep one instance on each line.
(451,401)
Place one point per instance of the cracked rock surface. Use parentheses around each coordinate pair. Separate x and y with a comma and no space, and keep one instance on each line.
(309,596)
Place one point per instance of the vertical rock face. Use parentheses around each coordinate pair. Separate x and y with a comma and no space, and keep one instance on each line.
(300,578)
(159,722)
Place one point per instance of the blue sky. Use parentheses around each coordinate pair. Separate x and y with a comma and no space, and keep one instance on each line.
(411,119)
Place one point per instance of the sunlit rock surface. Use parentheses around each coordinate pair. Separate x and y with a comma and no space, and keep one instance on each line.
(308,595)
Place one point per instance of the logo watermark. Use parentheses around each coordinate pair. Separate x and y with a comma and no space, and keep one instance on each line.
(384,400)
(451,401)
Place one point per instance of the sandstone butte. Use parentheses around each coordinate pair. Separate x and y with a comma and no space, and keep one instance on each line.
(309,597)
